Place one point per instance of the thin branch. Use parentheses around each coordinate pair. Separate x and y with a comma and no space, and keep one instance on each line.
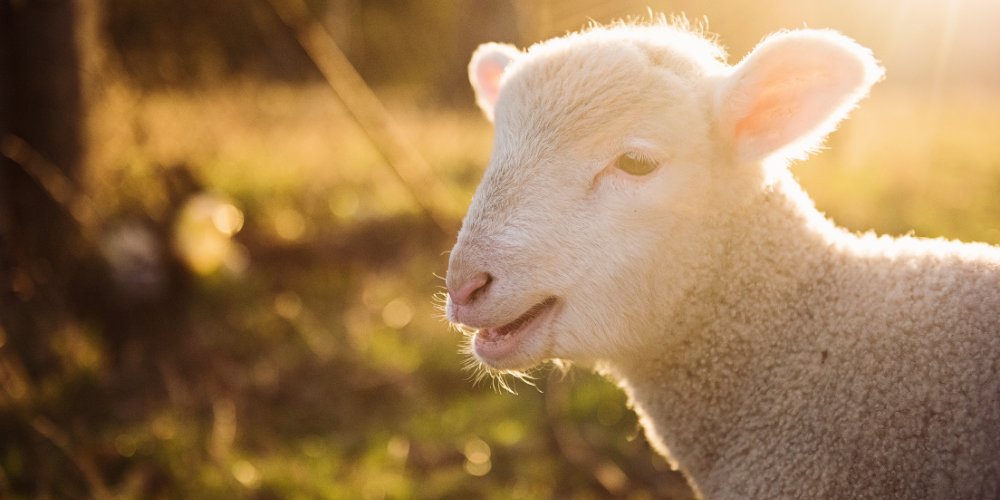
(18,394)
(406,162)
(91,474)
(58,186)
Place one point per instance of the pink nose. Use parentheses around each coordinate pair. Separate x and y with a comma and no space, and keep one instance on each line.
(468,291)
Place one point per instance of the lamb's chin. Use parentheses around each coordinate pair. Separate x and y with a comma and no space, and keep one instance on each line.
(520,344)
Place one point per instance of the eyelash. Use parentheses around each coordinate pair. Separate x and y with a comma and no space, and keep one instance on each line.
(636,164)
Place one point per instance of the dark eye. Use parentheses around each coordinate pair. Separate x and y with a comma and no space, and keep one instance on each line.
(635,166)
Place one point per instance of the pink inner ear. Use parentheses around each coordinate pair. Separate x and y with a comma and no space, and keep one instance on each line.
(488,74)
(783,100)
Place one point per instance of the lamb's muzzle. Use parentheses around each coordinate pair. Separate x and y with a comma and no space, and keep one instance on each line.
(493,344)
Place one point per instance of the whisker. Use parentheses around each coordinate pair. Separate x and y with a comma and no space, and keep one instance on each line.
(500,380)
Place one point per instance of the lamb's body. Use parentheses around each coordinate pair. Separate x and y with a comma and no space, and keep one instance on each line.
(636,217)
(868,369)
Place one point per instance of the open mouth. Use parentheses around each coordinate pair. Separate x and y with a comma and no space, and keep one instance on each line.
(498,341)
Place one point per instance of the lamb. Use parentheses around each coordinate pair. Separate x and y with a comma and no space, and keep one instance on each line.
(637,217)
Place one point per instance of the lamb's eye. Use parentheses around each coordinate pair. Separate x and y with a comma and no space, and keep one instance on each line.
(635,166)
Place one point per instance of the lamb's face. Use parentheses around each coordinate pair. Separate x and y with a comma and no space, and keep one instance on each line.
(599,161)
(615,152)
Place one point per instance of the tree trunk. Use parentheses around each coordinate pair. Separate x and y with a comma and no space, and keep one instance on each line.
(40,103)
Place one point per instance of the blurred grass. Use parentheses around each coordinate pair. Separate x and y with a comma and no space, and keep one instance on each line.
(323,369)
(255,141)
(907,160)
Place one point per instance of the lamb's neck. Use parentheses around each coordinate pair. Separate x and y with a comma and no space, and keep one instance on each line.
(776,245)
(717,351)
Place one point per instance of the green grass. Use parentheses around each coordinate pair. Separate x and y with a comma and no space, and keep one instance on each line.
(323,370)
(903,162)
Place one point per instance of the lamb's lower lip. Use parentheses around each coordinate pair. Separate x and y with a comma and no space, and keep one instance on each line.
(497,343)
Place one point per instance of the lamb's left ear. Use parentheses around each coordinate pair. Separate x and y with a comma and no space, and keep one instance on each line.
(488,64)
(791,91)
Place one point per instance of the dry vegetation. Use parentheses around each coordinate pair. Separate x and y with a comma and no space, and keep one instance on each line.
(274,332)
(318,365)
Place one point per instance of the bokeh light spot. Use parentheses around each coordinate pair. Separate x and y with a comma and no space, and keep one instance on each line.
(508,432)
(345,205)
(399,448)
(478,469)
(288,305)
(227,219)
(125,445)
(246,473)
(164,427)
(201,236)
(397,313)
(477,451)
(289,224)
(237,259)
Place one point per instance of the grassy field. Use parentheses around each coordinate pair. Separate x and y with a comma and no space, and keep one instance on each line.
(318,365)
(906,161)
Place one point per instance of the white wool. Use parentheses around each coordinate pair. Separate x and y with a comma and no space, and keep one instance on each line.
(768,353)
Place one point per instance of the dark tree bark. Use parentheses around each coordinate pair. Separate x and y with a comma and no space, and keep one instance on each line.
(40,111)
(40,103)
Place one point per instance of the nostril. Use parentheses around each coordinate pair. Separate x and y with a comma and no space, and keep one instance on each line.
(468,292)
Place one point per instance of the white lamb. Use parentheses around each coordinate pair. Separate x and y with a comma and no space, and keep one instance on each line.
(637,217)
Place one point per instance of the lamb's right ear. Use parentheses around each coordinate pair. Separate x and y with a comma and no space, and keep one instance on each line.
(791,91)
(487,66)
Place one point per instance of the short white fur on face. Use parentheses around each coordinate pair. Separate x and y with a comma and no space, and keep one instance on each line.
(569,114)
(636,216)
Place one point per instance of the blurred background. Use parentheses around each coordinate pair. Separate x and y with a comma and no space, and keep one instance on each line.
(223,229)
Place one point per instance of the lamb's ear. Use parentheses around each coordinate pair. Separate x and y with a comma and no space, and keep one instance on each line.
(791,91)
(487,66)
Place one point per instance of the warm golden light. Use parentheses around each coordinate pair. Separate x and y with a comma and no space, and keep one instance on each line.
(397,314)
(297,351)
(203,232)
(228,219)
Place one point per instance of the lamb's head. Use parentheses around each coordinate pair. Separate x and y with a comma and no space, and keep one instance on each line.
(616,152)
